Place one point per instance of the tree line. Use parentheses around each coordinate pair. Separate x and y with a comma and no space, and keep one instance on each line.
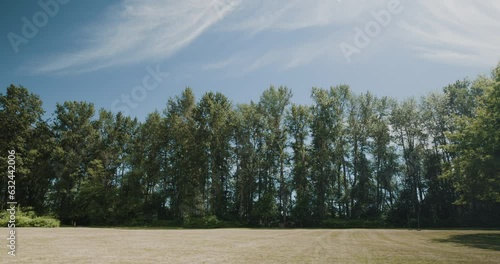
(432,161)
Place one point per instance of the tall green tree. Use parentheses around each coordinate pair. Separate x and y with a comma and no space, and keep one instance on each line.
(214,119)
(249,146)
(476,146)
(360,119)
(273,104)
(384,161)
(298,121)
(75,148)
(406,121)
(20,116)
(185,160)
(322,170)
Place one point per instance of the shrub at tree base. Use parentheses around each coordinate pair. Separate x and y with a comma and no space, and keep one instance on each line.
(358,223)
(208,222)
(28,219)
(200,222)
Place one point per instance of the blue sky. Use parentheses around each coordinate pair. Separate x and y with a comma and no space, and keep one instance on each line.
(104,51)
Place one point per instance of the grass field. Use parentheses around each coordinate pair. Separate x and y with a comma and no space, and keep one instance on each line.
(96,245)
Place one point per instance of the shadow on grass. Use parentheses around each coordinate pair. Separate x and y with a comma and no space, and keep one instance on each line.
(485,241)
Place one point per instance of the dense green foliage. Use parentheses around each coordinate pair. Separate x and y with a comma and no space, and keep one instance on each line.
(348,160)
(26,217)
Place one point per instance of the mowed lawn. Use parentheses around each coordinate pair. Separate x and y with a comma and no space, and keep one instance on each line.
(108,245)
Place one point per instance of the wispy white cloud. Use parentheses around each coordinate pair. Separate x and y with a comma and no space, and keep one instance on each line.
(448,31)
(222,63)
(456,32)
(296,55)
(138,30)
(256,16)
